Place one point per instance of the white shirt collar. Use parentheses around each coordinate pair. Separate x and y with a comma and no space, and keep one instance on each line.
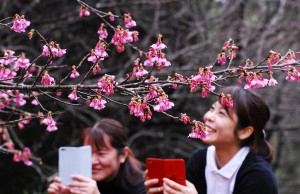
(231,167)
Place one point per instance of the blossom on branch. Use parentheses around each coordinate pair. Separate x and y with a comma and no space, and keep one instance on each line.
(22,62)
(73,95)
(128,21)
(122,37)
(273,58)
(8,57)
(23,156)
(198,130)
(19,23)
(106,84)
(74,73)
(84,11)
(102,31)
(47,79)
(163,104)
(138,71)
(98,103)
(204,78)
(184,118)
(98,53)
(155,56)
(19,99)
(55,50)
(139,108)
(226,100)
(51,124)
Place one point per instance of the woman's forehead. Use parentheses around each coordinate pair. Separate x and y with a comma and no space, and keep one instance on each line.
(101,143)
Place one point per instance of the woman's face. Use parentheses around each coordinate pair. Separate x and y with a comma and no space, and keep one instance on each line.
(105,162)
(220,126)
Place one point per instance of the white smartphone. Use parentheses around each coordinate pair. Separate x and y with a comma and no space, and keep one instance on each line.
(74,160)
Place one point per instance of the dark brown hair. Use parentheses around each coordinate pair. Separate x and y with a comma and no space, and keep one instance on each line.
(130,172)
(253,111)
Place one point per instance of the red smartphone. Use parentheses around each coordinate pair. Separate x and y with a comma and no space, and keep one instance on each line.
(173,169)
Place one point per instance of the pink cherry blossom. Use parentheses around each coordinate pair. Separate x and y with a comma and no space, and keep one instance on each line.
(185,119)
(163,104)
(204,78)
(255,80)
(23,156)
(22,123)
(221,58)
(273,58)
(96,69)
(54,48)
(34,102)
(47,79)
(226,100)
(102,31)
(17,156)
(98,103)
(99,53)
(6,74)
(122,37)
(73,95)
(84,12)
(22,62)
(19,24)
(140,109)
(198,130)
(272,82)
(26,156)
(74,73)
(19,99)
(155,56)
(106,84)
(152,93)
(51,124)
(128,21)
(111,17)
(138,71)
(9,145)
(8,57)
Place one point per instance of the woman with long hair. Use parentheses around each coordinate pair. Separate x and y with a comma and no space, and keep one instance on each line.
(114,167)
(238,158)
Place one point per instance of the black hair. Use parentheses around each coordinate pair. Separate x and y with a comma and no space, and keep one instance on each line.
(253,111)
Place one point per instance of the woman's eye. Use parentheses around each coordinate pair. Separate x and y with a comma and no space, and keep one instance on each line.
(101,153)
(222,112)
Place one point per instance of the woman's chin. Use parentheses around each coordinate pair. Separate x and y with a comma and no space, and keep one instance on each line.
(209,138)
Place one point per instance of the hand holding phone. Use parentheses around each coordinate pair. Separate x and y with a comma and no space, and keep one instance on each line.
(74,160)
(173,169)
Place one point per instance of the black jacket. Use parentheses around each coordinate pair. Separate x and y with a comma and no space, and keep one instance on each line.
(255,176)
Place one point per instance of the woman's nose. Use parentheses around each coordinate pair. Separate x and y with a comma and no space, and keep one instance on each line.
(94,158)
(209,116)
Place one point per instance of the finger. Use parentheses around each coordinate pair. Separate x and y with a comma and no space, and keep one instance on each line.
(146,174)
(57,179)
(150,183)
(80,178)
(155,190)
(189,184)
(172,185)
(54,187)
(77,184)
(76,191)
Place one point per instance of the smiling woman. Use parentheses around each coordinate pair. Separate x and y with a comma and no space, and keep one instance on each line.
(237,160)
(114,167)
